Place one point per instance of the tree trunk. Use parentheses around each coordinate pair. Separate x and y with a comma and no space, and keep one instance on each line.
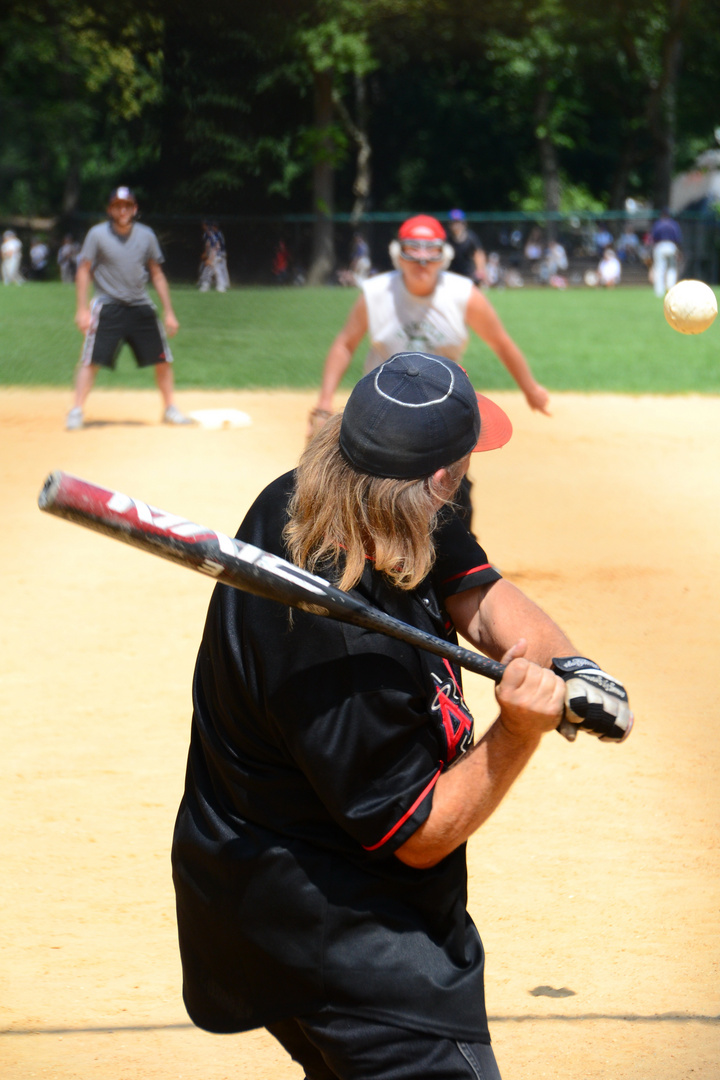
(323,256)
(363,175)
(619,185)
(358,133)
(71,190)
(662,104)
(549,167)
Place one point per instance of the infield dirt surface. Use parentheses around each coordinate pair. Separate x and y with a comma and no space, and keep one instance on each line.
(596,885)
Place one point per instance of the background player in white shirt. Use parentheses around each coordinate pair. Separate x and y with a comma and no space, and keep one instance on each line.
(421,306)
(11,256)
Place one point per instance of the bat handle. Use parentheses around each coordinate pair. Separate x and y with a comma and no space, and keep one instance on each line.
(494,670)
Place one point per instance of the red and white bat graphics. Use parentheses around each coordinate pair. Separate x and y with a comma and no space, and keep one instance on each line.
(240,565)
(248,568)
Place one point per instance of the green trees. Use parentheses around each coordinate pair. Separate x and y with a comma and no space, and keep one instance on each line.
(76,95)
(348,105)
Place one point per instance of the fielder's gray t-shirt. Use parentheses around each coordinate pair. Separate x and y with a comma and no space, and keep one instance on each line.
(119,263)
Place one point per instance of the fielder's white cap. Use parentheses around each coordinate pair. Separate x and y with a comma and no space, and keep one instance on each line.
(122,194)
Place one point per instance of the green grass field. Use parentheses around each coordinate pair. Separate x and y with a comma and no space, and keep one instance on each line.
(582,339)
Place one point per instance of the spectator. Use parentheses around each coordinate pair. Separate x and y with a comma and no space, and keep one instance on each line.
(533,247)
(281,263)
(11,256)
(360,262)
(469,258)
(213,263)
(609,269)
(39,257)
(602,239)
(557,257)
(67,259)
(628,245)
(666,238)
(554,265)
(494,273)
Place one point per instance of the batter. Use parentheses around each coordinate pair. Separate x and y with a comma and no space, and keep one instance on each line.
(333,778)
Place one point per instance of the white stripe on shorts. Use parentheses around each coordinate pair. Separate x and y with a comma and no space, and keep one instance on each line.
(163,337)
(89,343)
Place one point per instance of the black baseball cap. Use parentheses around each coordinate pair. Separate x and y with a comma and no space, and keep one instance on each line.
(417,413)
(122,194)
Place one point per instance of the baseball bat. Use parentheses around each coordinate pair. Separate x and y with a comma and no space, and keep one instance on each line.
(243,566)
(234,563)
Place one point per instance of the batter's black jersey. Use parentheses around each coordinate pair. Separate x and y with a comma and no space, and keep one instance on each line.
(315,748)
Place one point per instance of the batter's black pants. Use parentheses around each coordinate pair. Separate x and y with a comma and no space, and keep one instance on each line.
(332,1047)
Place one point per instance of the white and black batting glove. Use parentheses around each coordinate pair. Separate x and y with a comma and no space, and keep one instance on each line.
(594,701)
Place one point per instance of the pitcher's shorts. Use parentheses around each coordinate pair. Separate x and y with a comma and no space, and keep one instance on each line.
(114,325)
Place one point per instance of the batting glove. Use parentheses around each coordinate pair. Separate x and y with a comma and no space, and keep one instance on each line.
(594,701)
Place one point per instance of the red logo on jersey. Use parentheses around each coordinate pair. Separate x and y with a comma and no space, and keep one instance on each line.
(456,721)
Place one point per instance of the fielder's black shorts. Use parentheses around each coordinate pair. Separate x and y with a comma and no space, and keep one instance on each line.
(335,1047)
(114,324)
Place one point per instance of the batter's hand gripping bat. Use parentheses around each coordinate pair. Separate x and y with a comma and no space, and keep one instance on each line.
(235,563)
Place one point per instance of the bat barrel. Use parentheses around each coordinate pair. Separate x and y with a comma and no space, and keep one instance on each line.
(234,563)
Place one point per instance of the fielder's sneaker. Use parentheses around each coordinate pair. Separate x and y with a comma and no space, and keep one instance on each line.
(74,419)
(172,415)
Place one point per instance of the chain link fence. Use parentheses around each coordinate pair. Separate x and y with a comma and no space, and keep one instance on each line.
(519,242)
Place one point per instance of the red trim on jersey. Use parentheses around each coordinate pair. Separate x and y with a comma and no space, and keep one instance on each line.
(410,812)
(451,673)
(466,573)
(458,725)
(455,733)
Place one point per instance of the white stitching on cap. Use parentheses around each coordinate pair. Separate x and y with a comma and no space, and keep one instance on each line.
(423,404)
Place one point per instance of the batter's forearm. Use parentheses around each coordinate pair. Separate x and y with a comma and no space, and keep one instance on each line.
(465,796)
(493,618)
(512,616)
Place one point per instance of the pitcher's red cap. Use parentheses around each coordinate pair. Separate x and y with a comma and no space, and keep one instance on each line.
(421,227)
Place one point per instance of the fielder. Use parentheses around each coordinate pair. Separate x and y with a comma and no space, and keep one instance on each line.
(333,779)
(469,259)
(666,238)
(11,257)
(119,256)
(213,265)
(421,305)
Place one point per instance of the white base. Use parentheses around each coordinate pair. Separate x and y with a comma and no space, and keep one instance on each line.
(221,418)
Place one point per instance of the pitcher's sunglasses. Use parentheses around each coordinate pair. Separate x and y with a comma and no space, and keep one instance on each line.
(422,250)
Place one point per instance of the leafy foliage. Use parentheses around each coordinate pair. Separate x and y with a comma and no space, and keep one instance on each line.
(75,93)
(213,109)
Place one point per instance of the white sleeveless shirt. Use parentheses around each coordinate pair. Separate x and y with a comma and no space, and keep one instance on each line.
(401,322)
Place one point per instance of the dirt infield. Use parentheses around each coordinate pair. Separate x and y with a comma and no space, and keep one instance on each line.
(596,884)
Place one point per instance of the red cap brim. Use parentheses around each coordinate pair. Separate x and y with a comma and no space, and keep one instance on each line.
(495,426)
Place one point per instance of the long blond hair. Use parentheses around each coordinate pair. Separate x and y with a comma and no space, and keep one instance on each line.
(340,517)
